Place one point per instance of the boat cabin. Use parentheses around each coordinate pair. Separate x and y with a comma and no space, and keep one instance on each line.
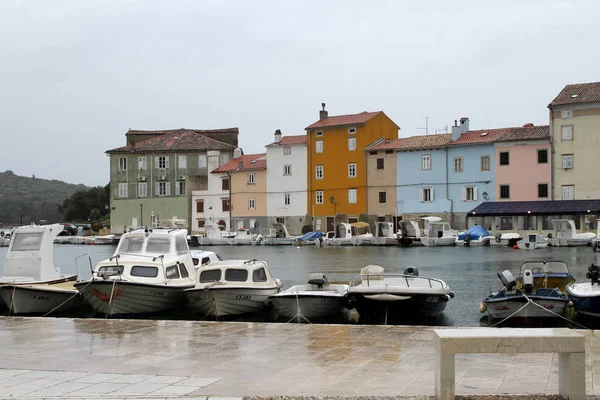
(360,228)
(281,231)
(384,229)
(238,273)
(547,274)
(440,229)
(202,258)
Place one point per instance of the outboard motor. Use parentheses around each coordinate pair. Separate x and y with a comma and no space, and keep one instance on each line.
(508,280)
(527,281)
(411,271)
(593,274)
(317,279)
(467,240)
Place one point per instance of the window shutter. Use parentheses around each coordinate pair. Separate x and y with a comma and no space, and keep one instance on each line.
(464,193)
(431,194)
(474,192)
(168,187)
(156,162)
(421,195)
(156,189)
(167,162)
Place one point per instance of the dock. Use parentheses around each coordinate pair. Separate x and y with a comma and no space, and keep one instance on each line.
(127,359)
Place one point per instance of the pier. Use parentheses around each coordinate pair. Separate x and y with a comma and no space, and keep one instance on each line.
(127,359)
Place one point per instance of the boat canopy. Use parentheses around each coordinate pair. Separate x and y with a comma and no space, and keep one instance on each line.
(359,224)
(475,232)
(545,266)
(311,236)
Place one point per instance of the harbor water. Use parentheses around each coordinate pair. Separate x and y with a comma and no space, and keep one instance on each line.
(469,271)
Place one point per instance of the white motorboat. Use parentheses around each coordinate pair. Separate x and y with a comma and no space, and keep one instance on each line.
(385,235)
(232,287)
(379,295)
(505,239)
(202,258)
(278,235)
(346,234)
(5,238)
(214,235)
(564,233)
(314,301)
(438,233)
(242,237)
(30,261)
(104,239)
(147,274)
(532,242)
(42,298)
(474,236)
(409,233)
(586,295)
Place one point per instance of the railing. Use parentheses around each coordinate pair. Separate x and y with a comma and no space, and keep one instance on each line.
(379,277)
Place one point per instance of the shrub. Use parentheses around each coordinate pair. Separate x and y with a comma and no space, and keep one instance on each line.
(306,229)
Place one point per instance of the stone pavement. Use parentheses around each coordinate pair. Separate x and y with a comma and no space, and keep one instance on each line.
(126,359)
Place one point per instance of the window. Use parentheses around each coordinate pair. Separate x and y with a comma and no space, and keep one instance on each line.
(351,196)
(351,144)
(172,272)
(568,192)
(319,133)
(287,150)
(236,275)
(259,275)
(547,221)
(566,114)
(566,132)
(131,244)
(251,204)
(224,158)
(142,189)
(542,156)
(382,197)
(542,190)
(183,270)
(122,190)
(527,223)
(225,184)
(251,178)
(567,161)
(469,193)
(202,161)
(280,220)
(426,162)
(380,163)
(163,189)
(212,275)
(352,170)
(200,206)
(181,246)
(123,164)
(146,272)
(352,131)
(485,163)
(426,195)
(182,161)
(504,158)
(26,242)
(161,162)
(201,223)
(319,172)
(505,191)
(179,188)
(109,270)
(506,223)
(319,196)
(286,199)
(287,169)
(225,204)
(158,244)
(142,163)
(458,164)
(319,146)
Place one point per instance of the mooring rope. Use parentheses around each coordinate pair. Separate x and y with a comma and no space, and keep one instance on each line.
(66,301)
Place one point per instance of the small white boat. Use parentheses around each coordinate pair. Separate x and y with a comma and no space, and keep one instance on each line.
(385,235)
(564,233)
(42,298)
(242,237)
(586,295)
(232,287)
(314,301)
(276,236)
(532,242)
(104,239)
(214,235)
(474,236)
(5,238)
(409,233)
(346,234)
(147,274)
(202,258)
(505,239)
(438,233)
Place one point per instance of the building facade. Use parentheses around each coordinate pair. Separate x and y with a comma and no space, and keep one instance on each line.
(336,166)
(286,182)
(575,130)
(153,176)
(381,181)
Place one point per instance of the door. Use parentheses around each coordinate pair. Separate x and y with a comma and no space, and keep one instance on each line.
(330,222)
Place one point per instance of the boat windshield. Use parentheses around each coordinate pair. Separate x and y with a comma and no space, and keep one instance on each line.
(27,241)
(131,244)
(158,244)
(545,267)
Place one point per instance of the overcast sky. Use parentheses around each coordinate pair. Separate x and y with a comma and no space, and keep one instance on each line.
(75,75)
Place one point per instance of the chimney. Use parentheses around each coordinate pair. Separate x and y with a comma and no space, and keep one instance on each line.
(458,130)
(322,113)
(240,164)
(528,125)
(277,136)
(237,153)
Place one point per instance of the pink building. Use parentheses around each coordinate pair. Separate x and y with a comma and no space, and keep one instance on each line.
(524,165)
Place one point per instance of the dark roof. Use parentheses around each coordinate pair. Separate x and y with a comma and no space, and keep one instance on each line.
(414,142)
(226,135)
(175,141)
(250,162)
(578,93)
(542,207)
(480,136)
(289,140)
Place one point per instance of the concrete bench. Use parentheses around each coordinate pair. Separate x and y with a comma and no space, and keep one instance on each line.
(569,344)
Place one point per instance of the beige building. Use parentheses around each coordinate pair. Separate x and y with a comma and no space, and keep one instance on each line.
(381,181)
(248,191)
(575,136)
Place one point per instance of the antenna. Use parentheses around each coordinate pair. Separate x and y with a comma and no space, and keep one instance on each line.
(426,126)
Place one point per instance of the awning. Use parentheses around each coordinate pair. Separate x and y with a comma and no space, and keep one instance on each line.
(359,224)
(548,207)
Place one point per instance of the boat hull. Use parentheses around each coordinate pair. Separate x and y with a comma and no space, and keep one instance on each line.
(26,300)
(586,298)
(504,308)
(131,298)
(219,302)
(309,306)
(443,241)
(531,245)
(390,307)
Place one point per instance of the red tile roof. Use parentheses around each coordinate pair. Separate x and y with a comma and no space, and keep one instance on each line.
(174,141)
(502,135)
(414,142)
(226,135)
(289,140)
(479,136)
(344,120)
(578,93)
(250,162)
(526,133)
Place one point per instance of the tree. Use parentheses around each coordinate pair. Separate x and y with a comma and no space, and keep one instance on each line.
(87,204)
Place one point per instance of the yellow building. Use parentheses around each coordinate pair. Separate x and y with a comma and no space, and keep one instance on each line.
(337,170)
(575,135)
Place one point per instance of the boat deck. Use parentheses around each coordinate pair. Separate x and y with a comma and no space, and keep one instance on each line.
(112,359)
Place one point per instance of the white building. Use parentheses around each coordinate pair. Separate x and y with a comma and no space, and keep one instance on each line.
(286,181)
(212,203)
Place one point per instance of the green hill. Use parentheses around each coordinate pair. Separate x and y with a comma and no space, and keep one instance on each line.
(38,199)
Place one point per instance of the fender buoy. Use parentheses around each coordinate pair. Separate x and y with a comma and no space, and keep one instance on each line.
(516,247)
